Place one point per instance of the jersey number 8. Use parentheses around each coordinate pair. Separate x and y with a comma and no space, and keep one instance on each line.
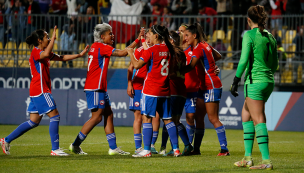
(164,69)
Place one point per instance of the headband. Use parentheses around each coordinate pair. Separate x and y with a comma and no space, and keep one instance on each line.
(155,30)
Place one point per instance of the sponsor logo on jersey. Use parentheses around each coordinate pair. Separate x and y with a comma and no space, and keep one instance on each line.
(102,102)
(136,104)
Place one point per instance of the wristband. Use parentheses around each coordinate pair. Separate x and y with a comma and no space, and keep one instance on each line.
(136,41)
(143,40)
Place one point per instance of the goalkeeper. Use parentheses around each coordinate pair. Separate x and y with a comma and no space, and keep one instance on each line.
(259,57)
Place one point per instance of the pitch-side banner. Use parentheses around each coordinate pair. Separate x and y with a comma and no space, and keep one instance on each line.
(283,109)
(73,109)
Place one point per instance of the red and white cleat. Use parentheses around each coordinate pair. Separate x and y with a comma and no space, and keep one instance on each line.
(144,153)
(58,152)
(5,146)
(177,153)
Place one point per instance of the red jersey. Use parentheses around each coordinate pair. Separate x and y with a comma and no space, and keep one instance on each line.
(203,52)
(177,84)
(98,61)
(191,79)
(40,72)
(140,74)
(156,83)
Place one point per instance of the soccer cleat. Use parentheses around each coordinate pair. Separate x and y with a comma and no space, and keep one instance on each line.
(192,153)
(144,153)
(58,152)
(153,150)
(177,153)
(138,150)
(170,153)
(77,150)
(5,146)
(162,150)
(224,153)
(266,164)
(117,151)
(187,150)
(245,162)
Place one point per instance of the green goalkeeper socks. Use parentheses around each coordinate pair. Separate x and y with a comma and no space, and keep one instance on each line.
(262,139)
(248,137)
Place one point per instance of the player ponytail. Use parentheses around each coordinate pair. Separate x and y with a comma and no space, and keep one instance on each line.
(198,30)
(180,57)
(258,15)
(163,35)
(32,40)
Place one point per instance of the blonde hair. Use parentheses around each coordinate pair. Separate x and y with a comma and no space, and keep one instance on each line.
(99,30)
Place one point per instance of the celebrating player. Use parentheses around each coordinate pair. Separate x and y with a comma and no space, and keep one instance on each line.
(134,90)
(156,89)
(259,57)
(42,102)
(96,88)
(210,90)
(178,94)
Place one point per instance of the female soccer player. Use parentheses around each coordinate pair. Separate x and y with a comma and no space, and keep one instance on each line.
(42,102)
(96,88)
(156,89)
(210,90)
(178,94)
(134,90)
(259,57)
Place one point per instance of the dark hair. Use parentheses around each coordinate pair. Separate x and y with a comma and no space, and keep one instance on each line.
(175,37)
(258,15)
(32,40)
(179,60)
(163,35)
(198,30)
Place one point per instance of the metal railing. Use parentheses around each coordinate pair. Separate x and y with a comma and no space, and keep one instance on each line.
(74,32)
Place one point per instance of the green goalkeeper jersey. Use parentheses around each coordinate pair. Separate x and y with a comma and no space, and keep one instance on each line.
(259,57)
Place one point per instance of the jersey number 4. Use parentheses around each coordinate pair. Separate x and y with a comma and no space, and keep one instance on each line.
(165,68)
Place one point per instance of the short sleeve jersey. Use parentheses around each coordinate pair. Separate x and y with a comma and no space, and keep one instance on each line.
(40,72)
(191,79)
(98,61)
(203,52)
(156,83)
(140,74)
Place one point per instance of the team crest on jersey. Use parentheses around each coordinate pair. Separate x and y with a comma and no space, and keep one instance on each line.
(136,104)
(190,53)
(102,102)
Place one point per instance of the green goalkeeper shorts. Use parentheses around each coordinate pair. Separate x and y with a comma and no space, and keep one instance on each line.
(258,91)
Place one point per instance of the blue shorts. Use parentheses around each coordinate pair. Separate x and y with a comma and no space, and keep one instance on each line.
(212,95)
(97,99)
(42,105)
(177,105)
(190,105)
(152,104)
(134,103)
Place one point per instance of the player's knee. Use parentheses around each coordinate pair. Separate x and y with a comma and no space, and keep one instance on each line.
(175,120)
(213,120)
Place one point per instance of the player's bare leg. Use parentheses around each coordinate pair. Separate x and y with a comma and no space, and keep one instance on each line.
(257,112)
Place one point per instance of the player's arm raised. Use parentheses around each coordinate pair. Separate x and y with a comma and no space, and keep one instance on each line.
(48,50)
(70,57)
(118,52)
(137,64)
